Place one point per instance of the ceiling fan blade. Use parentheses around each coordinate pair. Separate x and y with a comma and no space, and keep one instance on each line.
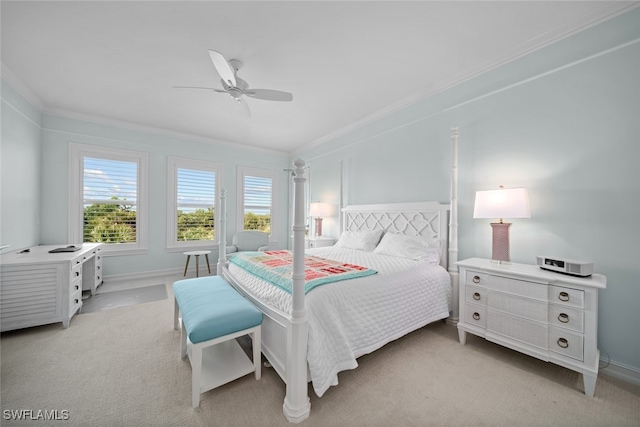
(269,95)
(223,68)
(199,87)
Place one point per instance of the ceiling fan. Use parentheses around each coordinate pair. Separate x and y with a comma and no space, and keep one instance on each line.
(234,86)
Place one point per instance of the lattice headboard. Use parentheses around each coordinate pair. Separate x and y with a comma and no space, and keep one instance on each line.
(426,219)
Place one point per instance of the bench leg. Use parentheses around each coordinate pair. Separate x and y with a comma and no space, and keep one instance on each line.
(183,342)
(208,265)
(257,351)
(176,315)
(197,266)
(196,373)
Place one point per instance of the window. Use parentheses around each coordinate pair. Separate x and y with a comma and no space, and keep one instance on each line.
(256,210)
(108,199)
(192,202)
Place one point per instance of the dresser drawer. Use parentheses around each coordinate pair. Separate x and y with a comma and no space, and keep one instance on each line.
(566,343)
(477,278)
(98,274)
(75,301)
(75,286)
(476,315)
(523,307)
(565,317)
(519,287)
(523,330)
(76,272)
(566,296)
(476,295)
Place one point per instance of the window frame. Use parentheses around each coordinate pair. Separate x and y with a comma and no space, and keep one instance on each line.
(243,171)
(173,164)
(75,231)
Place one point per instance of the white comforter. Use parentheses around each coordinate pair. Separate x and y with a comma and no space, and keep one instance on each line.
(351,318)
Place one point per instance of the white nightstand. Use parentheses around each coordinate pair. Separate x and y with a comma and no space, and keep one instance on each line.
(551,316)
(318,242)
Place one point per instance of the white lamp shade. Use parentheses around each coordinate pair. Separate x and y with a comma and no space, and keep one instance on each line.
(320,210)
(502,203)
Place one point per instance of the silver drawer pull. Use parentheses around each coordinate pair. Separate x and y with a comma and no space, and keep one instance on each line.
(77,287)
(563,317)
(77,273)
(563,296)
(476,316)
(476,279)
(476,296)
(562,342)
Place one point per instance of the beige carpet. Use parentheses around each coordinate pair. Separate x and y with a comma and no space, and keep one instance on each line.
(121,367)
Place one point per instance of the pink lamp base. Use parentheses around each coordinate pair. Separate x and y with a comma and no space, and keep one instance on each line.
(318,226)
(500,248)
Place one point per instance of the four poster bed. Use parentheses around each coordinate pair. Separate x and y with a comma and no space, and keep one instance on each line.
(399,276)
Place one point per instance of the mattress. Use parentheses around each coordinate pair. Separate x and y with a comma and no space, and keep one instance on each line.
(351,318)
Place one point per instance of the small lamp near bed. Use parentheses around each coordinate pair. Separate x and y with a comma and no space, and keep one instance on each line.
(501,203)
(318,211)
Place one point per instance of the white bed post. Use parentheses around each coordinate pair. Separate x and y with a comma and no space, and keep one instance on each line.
(222,220)
(340,213)
(453,229)
(297,406)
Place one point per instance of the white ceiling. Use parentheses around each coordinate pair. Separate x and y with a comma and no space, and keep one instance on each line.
(345,62)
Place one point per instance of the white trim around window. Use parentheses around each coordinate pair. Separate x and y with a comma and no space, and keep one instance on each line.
(77,154)
(244,171)
(208,168)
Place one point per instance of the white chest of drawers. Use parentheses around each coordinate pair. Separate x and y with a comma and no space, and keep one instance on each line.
(38,287)
(547,315)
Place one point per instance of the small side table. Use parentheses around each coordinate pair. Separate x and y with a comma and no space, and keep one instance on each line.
(318,242)
(197,255)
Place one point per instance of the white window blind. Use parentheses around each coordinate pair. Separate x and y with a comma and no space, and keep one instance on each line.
(110,199)
(196,190)
(258,198)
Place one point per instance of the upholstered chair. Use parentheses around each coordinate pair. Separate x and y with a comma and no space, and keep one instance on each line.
(250,240)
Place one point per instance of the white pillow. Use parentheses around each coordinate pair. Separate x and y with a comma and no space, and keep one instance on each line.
(361,240)
(412,247)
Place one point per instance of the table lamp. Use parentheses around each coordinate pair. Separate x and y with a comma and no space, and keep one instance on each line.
(501,203)
(319,210)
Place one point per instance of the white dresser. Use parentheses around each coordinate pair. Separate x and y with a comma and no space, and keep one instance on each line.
(551,316)
(38,287)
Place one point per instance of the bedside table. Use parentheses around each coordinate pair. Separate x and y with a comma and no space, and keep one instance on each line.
(318,242)
(547,315)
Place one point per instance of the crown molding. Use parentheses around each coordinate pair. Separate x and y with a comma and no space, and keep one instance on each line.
(155,130)
(19,86)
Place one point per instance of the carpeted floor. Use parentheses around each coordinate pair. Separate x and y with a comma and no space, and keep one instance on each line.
(122,298)
(121,367)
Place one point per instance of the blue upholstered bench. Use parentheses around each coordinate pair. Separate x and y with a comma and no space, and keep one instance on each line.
(213,315)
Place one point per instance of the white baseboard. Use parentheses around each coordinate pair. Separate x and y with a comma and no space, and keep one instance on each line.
(624,373)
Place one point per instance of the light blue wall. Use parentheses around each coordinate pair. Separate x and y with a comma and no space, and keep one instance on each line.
(58,132)
(563,122)
(35,158)
(20,149)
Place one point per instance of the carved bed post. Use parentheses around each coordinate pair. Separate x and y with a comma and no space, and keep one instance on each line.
(453,229)
(297,406)
(222,243)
